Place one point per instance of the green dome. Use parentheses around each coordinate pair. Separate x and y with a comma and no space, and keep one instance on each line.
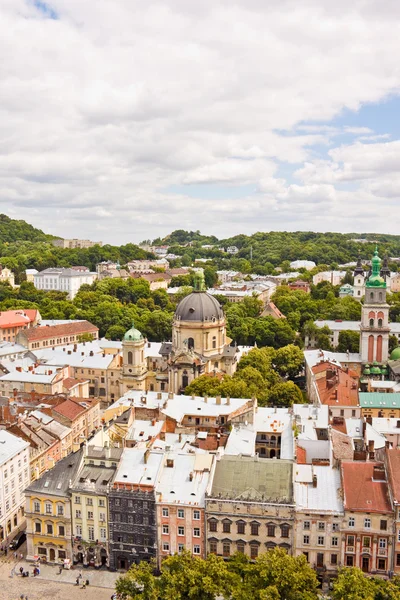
(375,279)
(367,370)
(133,335)
(395,354)
(376,370)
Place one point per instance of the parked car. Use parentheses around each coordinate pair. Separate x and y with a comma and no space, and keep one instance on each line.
(19,539)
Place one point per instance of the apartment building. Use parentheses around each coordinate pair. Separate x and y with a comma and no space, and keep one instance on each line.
(368,527)
(14,477)
(14,321)
(74,243)
(50,336)
(63,280)
(250,506)
(180,502)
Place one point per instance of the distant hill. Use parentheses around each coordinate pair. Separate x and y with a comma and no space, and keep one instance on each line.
(12,230)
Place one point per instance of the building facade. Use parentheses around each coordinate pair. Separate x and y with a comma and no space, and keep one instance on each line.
(63,280)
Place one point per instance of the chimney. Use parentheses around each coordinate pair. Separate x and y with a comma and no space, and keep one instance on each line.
(217,400)
(159,395)
(170,396)
(206,399)
(314,481)
(180,437)
(170,463)
(371,446)
(378,473)
(146,456)
(191,476)
(228,400)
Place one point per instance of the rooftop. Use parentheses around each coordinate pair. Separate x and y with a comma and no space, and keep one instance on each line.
(137,467)
(379,400)
(56,481)
(325,496)
(185,480)
(313,357)
(10,445)
(245,478)
(73,328)
(393,469)
(361,491)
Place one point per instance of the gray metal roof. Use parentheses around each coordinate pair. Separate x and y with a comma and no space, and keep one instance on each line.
(248,478)
(56,481)
(199,306)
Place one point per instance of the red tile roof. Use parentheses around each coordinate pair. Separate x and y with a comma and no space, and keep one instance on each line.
(393,465)
(335,386)
(70,382)
(17,318)
(361,491)
(69,409)
(43,333)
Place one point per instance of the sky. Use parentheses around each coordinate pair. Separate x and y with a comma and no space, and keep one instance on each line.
(122,121)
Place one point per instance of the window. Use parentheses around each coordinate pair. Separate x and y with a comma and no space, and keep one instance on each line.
(349,560)
(383,524)
(91,533)
(78,514)
(49,529)
(382,542)
(253,551)
(165,547)
(181,530)
(5,474)
(321,540)
(78,530)
(212,525)
(226,549)
(181,513)
(102,516)
(350,540)
(240,547)
(181,548)
(367,523)
(333,559)
(38,528)
(196,532)
(102,502)
(271,530)
(366,542)
(61,530)
(196,549)
(351,522)
(321,526)
(306,539)
(381,564)
(89,501)
(285,531)
(90,515)
(335,541)
(77,499)
(254,527)
(48,508)
(60,509)
(226,527)
(398,560)
(165,529)
(196,515)
(306,524)
(36,508)
(214,548)
(165,512)
(335,526)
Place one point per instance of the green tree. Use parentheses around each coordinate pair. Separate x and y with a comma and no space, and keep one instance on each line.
(288,361)
(349,341)
(352,584)
(139,582)
(393,343)
(285,394)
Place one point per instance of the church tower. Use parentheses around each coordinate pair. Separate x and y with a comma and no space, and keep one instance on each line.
(374,334)
(359,280)
(134,367)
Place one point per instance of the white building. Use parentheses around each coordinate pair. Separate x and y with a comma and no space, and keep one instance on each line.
(303,264)
(333,277)
(14,478)
(337,326)
(63,280)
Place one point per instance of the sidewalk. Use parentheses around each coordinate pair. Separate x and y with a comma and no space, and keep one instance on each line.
(99,578)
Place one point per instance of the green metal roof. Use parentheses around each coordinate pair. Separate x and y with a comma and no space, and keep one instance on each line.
(246,478)
(379,400)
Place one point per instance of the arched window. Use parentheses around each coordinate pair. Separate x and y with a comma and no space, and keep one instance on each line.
(371,322)
(379,348)
(358,293)
(370,348)
(380,322)
(130,358)
(185,379)
(190,343)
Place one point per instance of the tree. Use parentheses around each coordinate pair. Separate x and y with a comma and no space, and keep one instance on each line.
(352,584)
(285,394)
(349,341)
(139,582)
(393,343)
(288,361)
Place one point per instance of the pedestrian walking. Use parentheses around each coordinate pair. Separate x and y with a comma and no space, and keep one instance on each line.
(21,556)
(80,575)
(21,570)
(15,555)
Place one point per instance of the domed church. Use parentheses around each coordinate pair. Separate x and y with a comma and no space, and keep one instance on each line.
(199,342)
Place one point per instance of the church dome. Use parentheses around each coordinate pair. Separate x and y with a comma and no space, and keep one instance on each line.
(133,335)
(200,307)
(395,354)
(375,279)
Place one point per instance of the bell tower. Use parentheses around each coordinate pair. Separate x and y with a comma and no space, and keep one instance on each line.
(134,367)
(374,329)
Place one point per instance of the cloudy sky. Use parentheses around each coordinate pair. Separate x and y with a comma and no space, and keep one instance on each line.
(122,120)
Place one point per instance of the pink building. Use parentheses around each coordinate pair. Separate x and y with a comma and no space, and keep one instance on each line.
(180,502)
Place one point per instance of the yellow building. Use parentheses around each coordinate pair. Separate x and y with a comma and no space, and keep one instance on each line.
(89,505)
(48,512)
(380,404)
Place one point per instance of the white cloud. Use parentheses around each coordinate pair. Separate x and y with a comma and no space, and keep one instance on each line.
(105,108)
